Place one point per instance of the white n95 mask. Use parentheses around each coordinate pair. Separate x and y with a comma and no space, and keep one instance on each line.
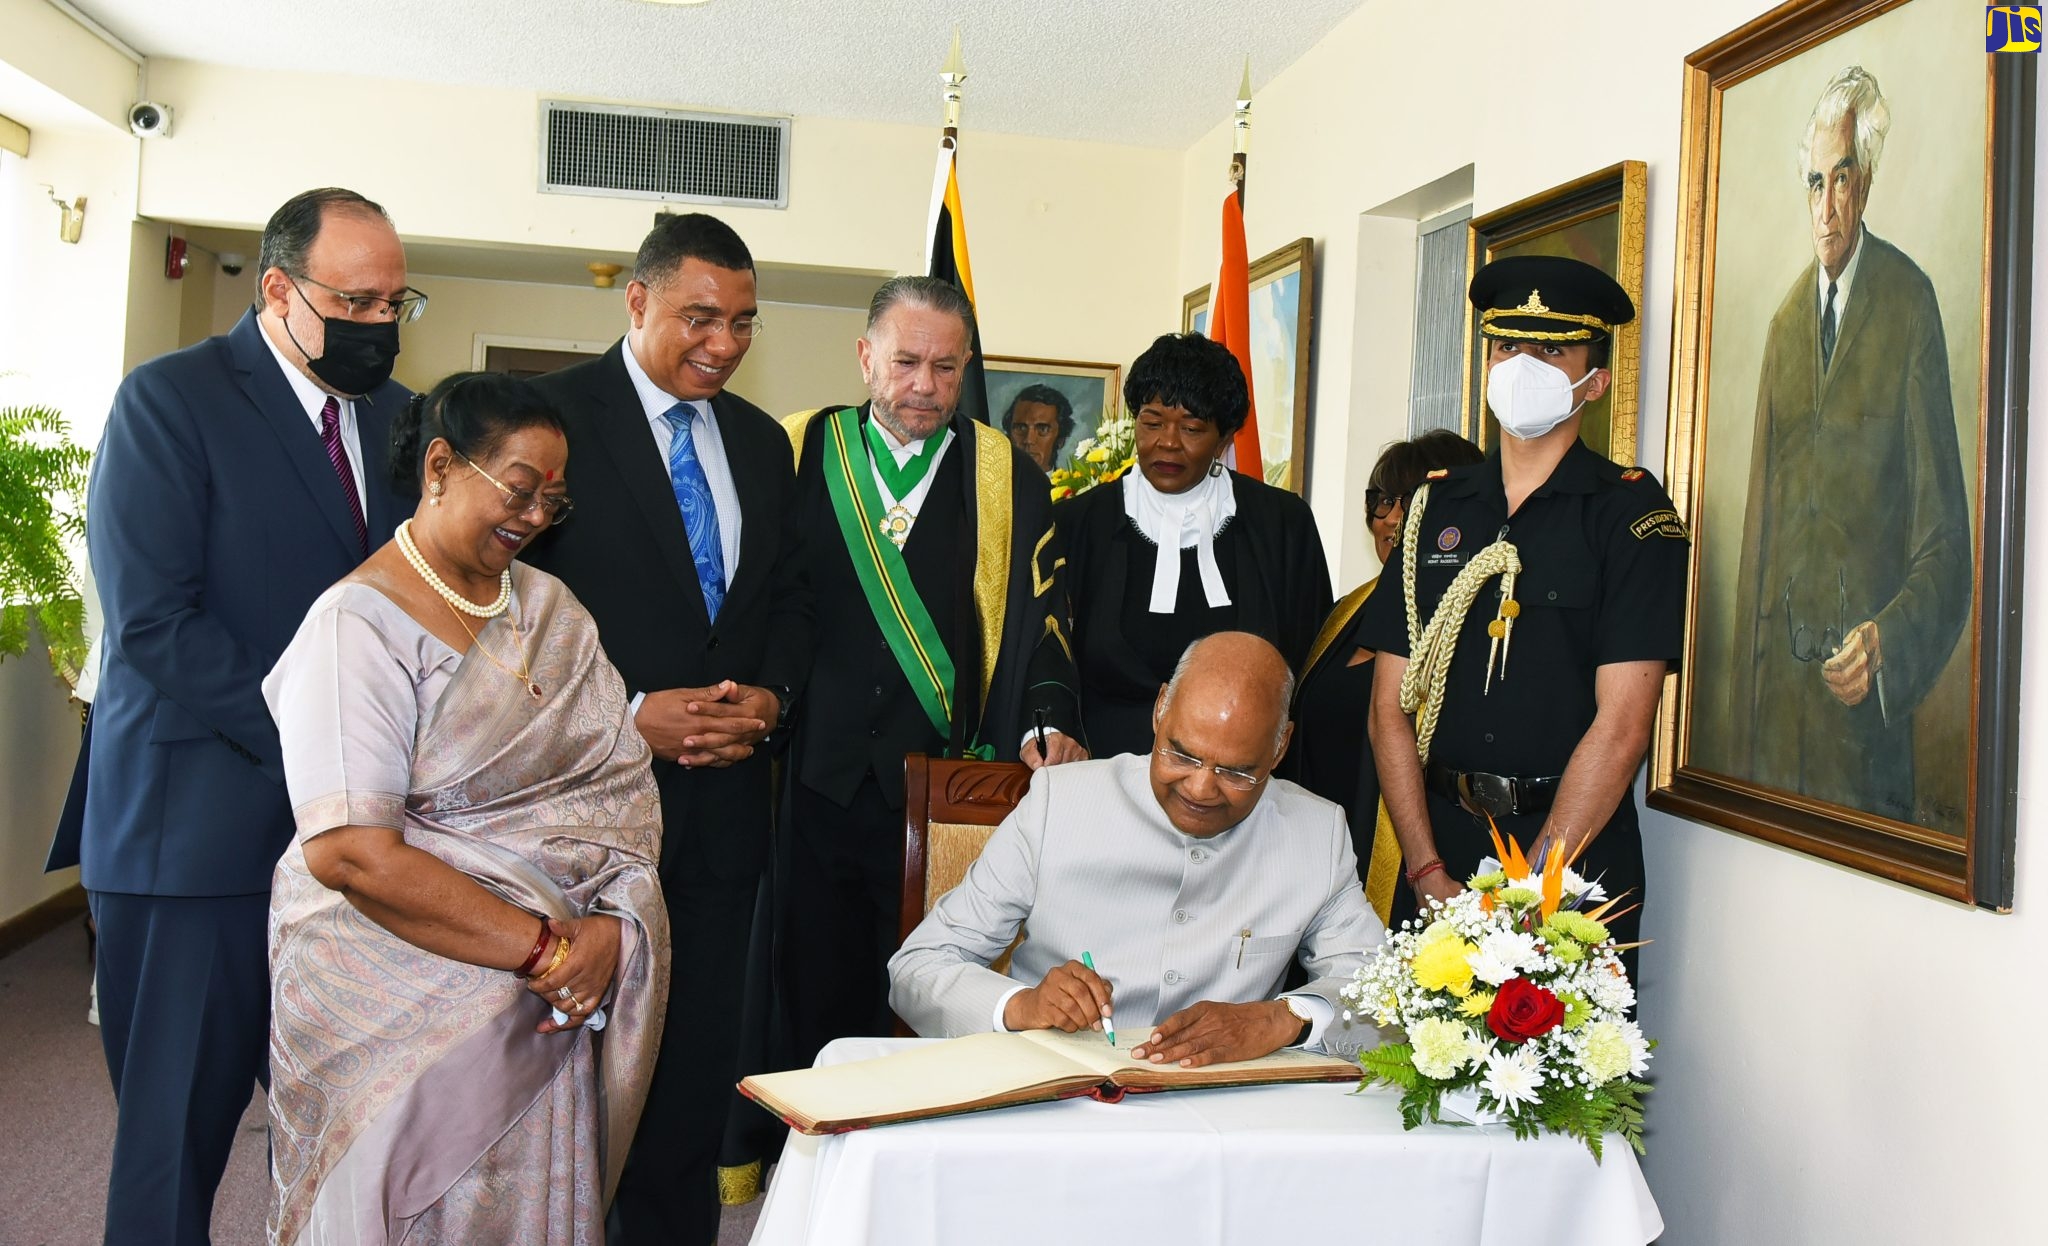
(1530,397)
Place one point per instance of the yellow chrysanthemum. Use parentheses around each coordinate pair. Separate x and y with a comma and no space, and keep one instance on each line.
(1477,1004)
(1444,965)
(1099,454)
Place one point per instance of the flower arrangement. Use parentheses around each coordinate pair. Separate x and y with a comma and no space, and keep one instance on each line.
(1098,459)
(1511,994)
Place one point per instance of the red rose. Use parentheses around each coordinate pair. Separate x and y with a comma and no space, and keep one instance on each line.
(1523,1010)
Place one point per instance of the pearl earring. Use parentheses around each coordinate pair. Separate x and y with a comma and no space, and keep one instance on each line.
(435,489)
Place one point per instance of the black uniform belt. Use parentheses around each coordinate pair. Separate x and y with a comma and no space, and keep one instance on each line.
(1498,795)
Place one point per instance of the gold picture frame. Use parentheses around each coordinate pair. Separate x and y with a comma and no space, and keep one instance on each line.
(1598,218)
(1093,392)
(1886,446)
(1288,277)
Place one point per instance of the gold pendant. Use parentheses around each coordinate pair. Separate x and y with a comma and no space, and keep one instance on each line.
(896,524)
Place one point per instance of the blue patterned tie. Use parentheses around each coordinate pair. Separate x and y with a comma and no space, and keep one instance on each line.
(700,513)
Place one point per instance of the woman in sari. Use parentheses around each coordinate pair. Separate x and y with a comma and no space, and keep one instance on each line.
(471,893)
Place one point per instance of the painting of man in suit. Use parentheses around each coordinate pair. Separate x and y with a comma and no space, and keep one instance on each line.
(1855,569)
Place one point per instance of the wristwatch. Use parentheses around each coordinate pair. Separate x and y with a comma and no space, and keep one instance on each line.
(783,697)
(1301,1014)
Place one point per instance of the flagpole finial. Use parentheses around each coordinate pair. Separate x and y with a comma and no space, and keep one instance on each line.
(1241,132)
(951,77)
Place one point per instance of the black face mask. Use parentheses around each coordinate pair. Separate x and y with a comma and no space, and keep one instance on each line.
(357,358)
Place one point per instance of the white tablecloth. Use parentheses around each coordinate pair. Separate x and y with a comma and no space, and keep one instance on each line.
(1239,1167)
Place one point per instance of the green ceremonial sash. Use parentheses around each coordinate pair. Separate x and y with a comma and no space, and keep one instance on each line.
(884,576)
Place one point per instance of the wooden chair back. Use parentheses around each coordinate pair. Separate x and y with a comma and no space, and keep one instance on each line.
(950,809)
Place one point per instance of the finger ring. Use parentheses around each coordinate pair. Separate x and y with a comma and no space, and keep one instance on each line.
(575,1005)
(563,993)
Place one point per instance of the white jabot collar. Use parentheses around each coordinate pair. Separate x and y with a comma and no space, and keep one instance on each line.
(1175,521)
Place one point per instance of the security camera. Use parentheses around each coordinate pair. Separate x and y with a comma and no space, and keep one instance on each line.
(231,263)
(148,120)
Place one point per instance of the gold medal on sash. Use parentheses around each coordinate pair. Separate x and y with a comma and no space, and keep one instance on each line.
(896,524)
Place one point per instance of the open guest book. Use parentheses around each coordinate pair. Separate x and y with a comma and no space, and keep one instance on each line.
(983,1071)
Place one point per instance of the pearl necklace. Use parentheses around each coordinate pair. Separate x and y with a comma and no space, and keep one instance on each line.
(435,582)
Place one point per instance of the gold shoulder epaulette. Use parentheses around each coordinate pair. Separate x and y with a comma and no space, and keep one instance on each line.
(1438,473)
(1634,473)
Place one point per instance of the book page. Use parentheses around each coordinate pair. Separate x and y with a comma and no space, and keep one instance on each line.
(1092,1050)
(924,1080)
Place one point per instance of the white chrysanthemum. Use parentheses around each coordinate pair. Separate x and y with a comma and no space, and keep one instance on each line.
(1442,1048)
(1513,1077)
(1605,1054)
(1503,954)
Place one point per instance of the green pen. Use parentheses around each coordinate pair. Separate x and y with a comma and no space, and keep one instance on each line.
(1108,1025)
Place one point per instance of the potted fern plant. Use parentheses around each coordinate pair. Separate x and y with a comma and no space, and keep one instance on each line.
(42,510)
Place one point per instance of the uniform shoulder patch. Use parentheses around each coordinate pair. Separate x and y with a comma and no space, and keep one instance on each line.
(1634,473)
(1664,523)
(1438,473)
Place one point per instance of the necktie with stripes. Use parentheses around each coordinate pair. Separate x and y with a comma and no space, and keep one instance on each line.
(337,454)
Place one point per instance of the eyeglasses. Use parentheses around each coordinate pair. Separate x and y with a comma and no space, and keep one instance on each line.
(1803,649)
(555,507)
(1181,763)
(1379,503)
(743,327)
(404,310)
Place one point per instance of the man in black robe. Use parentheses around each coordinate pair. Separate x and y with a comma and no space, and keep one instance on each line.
(931,557)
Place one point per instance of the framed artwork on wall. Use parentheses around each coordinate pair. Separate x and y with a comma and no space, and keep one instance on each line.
(1283,329)
(1848,411)
(1048,406)
(1599,219)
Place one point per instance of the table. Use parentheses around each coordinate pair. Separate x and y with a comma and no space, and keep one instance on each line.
(1254,1164)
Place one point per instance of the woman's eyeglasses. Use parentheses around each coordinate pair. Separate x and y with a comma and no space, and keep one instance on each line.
(554,506)
(1379,503)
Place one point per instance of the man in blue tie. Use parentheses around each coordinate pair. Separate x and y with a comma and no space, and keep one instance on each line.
(237,479)
(686,551)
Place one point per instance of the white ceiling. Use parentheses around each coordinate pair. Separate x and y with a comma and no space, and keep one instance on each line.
(1152,73)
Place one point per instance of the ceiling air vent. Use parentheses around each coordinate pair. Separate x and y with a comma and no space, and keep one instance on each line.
(658,153)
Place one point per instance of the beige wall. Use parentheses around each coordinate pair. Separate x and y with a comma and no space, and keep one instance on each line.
(1843,1060)
(803,358)
(1072,243)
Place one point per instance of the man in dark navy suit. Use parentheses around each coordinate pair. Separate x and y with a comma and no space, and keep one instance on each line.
(237,479)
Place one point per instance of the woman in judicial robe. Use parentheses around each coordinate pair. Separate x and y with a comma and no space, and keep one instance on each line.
(1331,755)
(1181,547)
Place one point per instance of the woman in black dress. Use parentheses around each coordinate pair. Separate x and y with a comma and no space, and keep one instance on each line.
(1181,547)
(1331,755)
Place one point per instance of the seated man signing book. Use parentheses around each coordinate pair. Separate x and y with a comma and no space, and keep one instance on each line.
(1189,877)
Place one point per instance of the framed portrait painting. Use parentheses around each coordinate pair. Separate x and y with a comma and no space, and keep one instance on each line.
(1848,407)
(1283,326)
(1598,219)
(1048,406)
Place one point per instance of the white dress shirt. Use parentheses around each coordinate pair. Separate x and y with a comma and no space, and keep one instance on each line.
(314,400)
(1842,283)
(725,498)
(903,452)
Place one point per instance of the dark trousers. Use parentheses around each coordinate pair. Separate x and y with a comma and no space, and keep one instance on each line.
(668,1192)
(184,989)
(841,906)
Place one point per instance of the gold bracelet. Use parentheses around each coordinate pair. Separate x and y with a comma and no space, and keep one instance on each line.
(561,954)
